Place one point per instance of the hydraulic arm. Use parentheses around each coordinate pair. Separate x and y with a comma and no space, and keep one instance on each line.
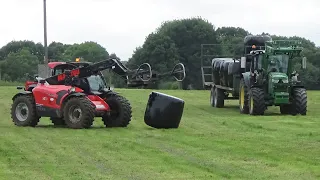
(138,77)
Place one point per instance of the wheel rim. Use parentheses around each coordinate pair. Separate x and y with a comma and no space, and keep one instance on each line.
(251,104)
(22,112)
(242,97)
(75,114)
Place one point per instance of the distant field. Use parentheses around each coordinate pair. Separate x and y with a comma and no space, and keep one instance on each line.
(210,144)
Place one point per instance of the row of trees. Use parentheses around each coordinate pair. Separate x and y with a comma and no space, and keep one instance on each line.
(174,41)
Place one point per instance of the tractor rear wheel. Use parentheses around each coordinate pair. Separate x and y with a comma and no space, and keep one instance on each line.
(23,111)
(256,101)
(243,98)
(299,103)
(121,113)
(79,113)
(58,121)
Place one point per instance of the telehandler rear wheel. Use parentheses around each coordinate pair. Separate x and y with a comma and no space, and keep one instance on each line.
(299,103)
(78,113)
(243,98)
(256,101)
(121,113)
(23,111)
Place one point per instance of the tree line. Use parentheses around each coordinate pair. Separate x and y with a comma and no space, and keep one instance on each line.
(173,41)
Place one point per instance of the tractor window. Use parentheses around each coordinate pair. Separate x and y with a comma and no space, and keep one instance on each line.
(258,62)
(58,71)
(278,63)
(96,83)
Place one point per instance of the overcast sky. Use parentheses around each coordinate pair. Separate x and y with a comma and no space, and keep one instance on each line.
(122,25)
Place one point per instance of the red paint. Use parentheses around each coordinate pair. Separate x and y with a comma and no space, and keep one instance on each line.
(74,73)
(54,64)
(28,83)
(43,93)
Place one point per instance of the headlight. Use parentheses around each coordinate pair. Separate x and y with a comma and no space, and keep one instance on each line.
(275,80)
(285,81)
(100,106)
(73,89)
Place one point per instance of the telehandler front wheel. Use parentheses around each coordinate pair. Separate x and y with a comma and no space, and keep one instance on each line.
(121,113)
(256,101)
(78,113)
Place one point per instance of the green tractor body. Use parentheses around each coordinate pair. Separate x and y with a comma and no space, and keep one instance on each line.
(263,77)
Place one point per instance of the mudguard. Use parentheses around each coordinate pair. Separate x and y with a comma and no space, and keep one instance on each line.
(246,78)
(163,111)
(65,96)
(21,93)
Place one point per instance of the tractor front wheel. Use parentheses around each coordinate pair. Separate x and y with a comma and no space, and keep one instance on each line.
(256,101)
(23,111)
(120,114)
(243,98)
(299,103)
(79,113)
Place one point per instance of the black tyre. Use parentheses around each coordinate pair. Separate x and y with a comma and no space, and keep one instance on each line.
(299,103)
(23,111)
(256,101)
(218,97)
(79,113)
(243,98)
(212,97)
(285,109)
(121,113)
(58,121)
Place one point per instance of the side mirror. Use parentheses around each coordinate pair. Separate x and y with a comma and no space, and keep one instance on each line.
(304,63)
(243,62)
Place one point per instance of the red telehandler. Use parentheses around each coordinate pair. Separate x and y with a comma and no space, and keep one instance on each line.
(77,92)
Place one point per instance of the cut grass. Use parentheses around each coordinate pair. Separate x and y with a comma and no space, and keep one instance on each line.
(209,144)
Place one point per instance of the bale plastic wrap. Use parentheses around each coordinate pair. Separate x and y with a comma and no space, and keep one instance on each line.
(163,111)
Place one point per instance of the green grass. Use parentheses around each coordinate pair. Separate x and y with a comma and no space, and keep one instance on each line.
(209,144)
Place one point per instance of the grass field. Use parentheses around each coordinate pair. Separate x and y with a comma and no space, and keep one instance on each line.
(209,144)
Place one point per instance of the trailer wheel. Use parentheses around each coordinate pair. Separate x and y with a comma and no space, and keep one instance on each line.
(79,113)
(212,97)
(299,103)
(256,101)
(23,111)
(121,113)
(218,97)
(243,98)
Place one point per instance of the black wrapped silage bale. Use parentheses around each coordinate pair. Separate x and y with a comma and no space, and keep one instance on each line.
(163,111)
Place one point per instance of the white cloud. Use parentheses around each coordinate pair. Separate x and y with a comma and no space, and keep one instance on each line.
(122,25)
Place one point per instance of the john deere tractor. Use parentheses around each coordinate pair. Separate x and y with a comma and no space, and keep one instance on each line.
(267,77)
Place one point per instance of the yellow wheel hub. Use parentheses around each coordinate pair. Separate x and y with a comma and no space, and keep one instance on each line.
(242,97)
(251,103)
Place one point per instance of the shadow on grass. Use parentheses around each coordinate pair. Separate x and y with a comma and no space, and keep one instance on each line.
(235,109)
(49,126)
